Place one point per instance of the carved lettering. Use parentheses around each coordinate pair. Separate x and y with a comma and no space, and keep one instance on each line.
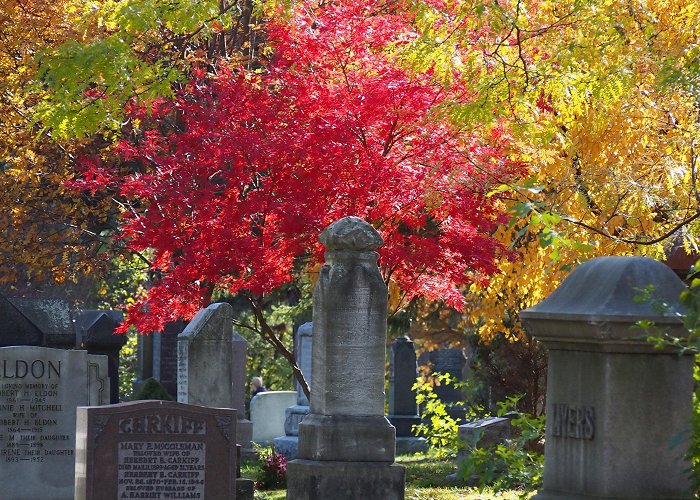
(37,369)
(572,421)
(157,424)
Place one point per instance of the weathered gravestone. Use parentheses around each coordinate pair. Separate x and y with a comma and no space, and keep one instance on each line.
(95,333)
(616,406)
(288,444)
(403,409)
(40,388)
(155,450)
(267,413)
(40,322)
(209,366)
(346,444)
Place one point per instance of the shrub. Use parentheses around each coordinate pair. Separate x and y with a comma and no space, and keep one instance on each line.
(274,469)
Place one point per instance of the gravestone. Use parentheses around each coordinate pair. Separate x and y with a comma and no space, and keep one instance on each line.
(616,406)
(40,388)
(95,332)
(267,413)
(288,444)
(453,362)
(209,365)
(157,357)
(346,444)
(39,322)
(155,450)
(403,409)
(244,427)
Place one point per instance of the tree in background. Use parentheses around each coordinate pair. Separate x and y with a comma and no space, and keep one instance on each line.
(231,181)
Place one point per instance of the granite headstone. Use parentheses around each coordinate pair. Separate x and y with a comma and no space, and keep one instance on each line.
(155,450)
(616,405)
(267,413)
(211,366)
(40,388)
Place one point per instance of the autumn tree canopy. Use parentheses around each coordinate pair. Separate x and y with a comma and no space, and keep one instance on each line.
(239,137)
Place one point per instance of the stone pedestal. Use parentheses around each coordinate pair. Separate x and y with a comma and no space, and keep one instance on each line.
(346,444)
(615,405)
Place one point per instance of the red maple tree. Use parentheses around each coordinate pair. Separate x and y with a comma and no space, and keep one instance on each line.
(235,195)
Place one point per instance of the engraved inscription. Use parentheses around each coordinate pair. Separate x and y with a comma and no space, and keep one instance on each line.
(159,424)
(573,421)
(30,411)
(155,470)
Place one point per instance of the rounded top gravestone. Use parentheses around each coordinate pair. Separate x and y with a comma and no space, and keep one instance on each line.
(605,297)
(350,233)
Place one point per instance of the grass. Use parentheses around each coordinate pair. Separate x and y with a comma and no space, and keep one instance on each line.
(426,479)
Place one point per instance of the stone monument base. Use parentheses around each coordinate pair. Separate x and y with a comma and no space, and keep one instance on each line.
(347,438)
(323,480)
(410,445)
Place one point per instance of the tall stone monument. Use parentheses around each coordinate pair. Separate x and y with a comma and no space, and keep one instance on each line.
(346,444)
(288,444)
(207,365)
(615,404)
(403,409)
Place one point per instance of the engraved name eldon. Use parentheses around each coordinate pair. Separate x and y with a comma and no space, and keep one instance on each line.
(573,421)
(37,368)
(161,424)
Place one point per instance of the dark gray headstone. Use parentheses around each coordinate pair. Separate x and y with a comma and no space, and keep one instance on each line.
(41,322)
(40,388)
(403,409)
(403,372)
(96,335)
(157,357)
(155,450)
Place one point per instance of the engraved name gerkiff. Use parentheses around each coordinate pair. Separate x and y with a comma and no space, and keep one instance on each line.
(161,424)
(573,421)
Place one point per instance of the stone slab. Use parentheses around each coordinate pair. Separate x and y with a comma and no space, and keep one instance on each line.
(267,413)
(315,480)
(155,450)
(40,389)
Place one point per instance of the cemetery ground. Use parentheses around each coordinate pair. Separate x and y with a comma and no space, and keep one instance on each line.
(426,479)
